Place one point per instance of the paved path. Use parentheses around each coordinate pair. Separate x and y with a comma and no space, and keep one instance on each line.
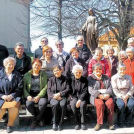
(68,129)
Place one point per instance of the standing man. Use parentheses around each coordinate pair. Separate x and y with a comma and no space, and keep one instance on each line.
(38,51)
(3,54)
(23,62)
(84,52)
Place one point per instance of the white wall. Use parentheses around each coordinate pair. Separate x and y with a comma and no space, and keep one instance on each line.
(14,23)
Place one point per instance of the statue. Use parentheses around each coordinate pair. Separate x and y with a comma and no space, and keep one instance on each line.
(90,31)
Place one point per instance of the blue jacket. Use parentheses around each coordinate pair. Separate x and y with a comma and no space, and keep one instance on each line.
(13,87)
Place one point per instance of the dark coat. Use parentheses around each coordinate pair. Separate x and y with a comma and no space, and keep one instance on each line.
(38,52)
(25,66)
(79,91)
(94,86)
(69,66)
(13,87)
(113,68)
(84,53)
(3,54)
(51,87)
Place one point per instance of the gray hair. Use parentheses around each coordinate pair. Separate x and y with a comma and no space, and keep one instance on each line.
(80,36)
(122,53)
(19,44)
(8,59)
(130,40)
(45,38)
(109,48)
(77,67)
(130,49)
(59,42)
(96,65)
(120,65)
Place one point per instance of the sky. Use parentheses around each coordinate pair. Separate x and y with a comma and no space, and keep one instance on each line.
(68,43)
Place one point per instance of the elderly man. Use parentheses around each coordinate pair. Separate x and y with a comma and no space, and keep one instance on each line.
(38,52)
(23,62)
(130,42)
(84,52)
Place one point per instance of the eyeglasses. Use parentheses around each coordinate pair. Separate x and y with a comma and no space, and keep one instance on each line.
(80,40)
(44,41)
(58,44)
(48,51)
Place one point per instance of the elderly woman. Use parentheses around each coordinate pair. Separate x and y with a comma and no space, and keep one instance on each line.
(98,58)
(60,54)
(79,86)
(10,92)
(123,90)
(99,87)
(129,62)
(130,42)
(35,87)
(74,60)
(58,88)
(122,56)
(112,60)
(48,61)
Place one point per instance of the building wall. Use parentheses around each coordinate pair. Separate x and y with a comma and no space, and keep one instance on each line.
(14,23)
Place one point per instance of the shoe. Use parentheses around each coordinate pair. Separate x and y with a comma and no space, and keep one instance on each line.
(9,129)
(83,127)
(60,127)
(128,124)
(97,127)
(121,125)
(111,127)
(33,125)
(77,127)
(54,127)
(41,123)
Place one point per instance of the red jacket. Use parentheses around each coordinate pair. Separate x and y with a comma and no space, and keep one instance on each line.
(103,62)
(130,68)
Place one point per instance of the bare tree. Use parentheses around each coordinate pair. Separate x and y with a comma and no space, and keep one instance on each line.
(64,18)
(118,17)
(60,18)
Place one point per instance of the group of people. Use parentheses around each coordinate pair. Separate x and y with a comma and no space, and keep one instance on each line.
(62,79)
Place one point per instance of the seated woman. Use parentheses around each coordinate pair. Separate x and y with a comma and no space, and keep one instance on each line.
(100,88)
(11,88)
(123,90)
(35,87)
(79,85)
(58,88)
(48,61)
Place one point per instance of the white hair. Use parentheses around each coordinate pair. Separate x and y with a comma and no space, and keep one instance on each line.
(79,36)
(8,59)
(121,65)
(77,67)
(130,40)
(110,48)
(122,53)
(130,49)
